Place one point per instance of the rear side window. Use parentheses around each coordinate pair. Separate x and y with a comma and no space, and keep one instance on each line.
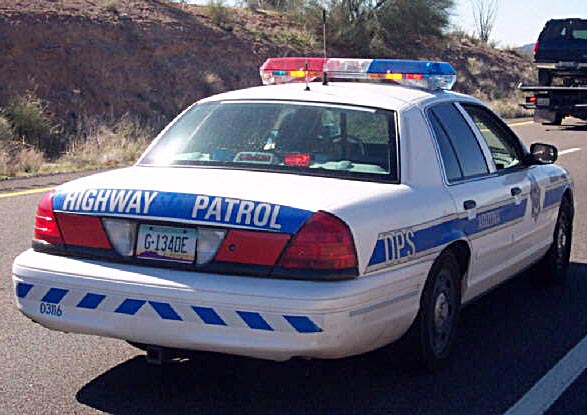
(458,145)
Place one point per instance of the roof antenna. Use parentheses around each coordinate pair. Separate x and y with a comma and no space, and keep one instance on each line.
(324,73)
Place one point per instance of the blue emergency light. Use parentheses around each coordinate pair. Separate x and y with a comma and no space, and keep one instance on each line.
(423,74)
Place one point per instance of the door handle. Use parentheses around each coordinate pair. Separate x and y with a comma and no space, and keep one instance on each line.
(469,204)
(516,191)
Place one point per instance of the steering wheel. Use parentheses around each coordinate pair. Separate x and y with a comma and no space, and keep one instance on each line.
(356,141)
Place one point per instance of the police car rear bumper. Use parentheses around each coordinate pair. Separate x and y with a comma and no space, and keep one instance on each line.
(256,317)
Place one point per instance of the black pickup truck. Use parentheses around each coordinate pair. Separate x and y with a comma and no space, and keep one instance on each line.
(560,55)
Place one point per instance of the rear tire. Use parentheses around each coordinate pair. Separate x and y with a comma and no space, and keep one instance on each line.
(555,264)
(431,336)
(558,120)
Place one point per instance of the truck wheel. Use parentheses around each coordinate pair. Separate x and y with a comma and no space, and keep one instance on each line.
(555,264)
(544,77)
(431,336)
(558,120)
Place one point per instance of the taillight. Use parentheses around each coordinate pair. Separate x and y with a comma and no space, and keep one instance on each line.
(323,243)
(83,230)
(535,47)
(252,247)
(46,228)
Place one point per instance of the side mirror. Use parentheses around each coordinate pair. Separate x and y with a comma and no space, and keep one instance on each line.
(542,153)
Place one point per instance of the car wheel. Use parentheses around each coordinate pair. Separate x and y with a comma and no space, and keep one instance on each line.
(432,333)
(555,264)
(558,120)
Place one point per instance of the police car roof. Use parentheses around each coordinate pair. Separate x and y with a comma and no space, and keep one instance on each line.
(388,96)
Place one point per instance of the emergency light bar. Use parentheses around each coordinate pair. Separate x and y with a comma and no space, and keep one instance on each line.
(422,74)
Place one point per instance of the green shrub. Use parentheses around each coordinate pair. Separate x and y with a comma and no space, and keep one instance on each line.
(218,13)
(6,133)
(111,6)
(31,123)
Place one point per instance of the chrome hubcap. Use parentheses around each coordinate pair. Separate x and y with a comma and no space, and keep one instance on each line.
(561,239)
(441,324)
(441,310)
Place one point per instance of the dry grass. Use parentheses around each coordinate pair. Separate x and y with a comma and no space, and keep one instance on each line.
(509,107)
(111,144)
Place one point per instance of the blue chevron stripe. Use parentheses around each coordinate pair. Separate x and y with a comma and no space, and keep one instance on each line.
(23,289)
(130,306)
(54,295)
(303,324)
(209,316)
(166,311)
(254,320)
(91,301)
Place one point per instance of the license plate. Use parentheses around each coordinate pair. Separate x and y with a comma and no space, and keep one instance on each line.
(544,102)
(166,243)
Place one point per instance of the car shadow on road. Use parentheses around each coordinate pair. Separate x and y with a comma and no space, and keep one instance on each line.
(507,340)
(572,127)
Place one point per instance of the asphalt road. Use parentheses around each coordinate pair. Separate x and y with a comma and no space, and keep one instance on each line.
(508,340)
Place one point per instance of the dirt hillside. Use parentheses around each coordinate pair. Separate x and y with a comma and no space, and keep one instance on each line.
(152,58)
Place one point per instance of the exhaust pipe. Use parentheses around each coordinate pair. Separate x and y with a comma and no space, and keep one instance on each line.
(157,355)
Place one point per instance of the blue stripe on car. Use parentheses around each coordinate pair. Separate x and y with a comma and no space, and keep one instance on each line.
(209,316)
(54,295)
(165,311)
(554,196)
(23,289)
(303,324)
(130,306)
(197,208)
(450,230)
(91,301)
(254,320)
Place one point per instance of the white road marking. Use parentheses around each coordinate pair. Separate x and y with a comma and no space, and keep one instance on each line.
(552,385)
(568,151)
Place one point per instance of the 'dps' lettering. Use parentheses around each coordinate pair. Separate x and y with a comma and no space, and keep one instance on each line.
(399,245)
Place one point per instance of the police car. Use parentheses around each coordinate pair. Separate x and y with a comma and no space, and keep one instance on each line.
(303,219)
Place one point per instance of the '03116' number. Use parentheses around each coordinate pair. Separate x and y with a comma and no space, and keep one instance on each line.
(51,309)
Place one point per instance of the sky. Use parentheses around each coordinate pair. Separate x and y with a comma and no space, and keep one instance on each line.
(519,22)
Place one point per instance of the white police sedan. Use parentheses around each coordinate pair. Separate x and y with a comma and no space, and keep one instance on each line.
(308,219)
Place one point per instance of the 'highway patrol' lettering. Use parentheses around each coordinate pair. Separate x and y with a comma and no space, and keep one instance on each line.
(224,209)
(215,210)
(111,201)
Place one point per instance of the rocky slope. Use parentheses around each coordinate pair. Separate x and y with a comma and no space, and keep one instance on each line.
(152,58)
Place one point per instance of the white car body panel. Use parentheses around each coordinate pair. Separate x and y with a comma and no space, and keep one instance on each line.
(398,230)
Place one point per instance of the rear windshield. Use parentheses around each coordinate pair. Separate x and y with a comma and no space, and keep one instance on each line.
(565,30)
(306,138)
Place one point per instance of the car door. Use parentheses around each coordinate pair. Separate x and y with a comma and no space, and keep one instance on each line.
(490,205)
(507,153)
